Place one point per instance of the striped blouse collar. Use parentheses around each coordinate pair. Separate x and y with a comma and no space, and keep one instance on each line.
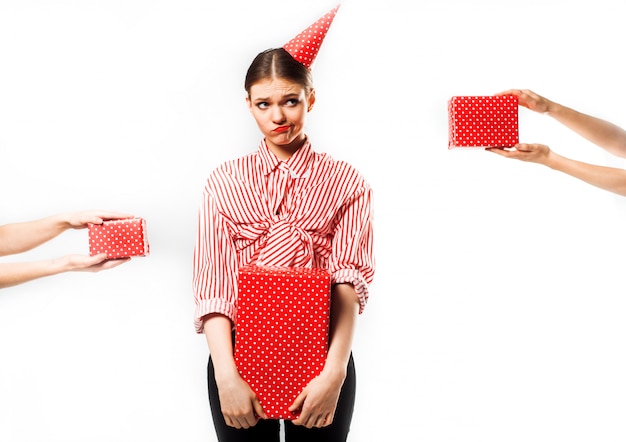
(298,164)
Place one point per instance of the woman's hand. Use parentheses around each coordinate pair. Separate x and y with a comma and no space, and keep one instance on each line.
(318,401)
(534,153)
(240,406)
(80,220)
(84,263)
(530,100)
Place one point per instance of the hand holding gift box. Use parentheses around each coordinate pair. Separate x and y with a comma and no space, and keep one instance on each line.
(281,332)
(482,121)
(120,238)
(602,133)
(20,237)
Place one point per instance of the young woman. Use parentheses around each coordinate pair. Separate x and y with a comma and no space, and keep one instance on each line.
(21,237)
(604,134)
(284,205)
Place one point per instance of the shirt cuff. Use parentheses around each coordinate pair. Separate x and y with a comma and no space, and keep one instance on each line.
(213,305)
(355,278)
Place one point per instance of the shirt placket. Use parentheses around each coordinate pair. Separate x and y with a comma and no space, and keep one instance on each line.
(280,189)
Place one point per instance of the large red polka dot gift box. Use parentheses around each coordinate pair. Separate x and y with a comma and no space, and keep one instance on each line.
(120,238)
(483,121)
(281,337)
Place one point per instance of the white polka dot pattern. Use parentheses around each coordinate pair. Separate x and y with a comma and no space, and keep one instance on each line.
(479,122)
(120,238)
(305,46)
(281,332)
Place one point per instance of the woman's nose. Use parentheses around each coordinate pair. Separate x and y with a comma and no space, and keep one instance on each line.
(277,115)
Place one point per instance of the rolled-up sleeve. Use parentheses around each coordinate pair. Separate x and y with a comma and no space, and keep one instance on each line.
(214,265)
(352,258)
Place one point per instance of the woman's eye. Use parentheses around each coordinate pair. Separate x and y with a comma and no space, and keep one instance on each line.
(292,102)
(262,105)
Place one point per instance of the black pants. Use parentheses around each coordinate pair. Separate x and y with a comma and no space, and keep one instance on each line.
(268,430)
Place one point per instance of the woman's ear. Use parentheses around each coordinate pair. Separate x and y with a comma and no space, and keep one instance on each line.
(311,100)
(249,103)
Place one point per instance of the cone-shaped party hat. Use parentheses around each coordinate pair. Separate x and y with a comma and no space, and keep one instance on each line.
(305,46)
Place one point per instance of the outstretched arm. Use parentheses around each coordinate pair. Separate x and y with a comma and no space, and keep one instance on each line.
(24,236)
(602,133)
(21,237)
(607,178)
(19,272)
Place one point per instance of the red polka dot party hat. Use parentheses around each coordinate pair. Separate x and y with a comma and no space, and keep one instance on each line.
(305,46)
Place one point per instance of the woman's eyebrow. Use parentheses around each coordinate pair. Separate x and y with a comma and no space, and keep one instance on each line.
(263,99)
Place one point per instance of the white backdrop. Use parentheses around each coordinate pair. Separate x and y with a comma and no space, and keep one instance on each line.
(496,314)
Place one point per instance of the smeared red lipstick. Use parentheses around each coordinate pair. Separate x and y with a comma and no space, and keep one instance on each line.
(280,129)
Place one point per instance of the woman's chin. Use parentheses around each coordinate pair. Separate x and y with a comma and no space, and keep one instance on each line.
(282,138)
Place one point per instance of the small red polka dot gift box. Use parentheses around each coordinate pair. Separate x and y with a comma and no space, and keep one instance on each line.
(120,238)
(281,332)
(483,121)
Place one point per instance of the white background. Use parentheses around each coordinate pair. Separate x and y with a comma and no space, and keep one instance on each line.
(497,310)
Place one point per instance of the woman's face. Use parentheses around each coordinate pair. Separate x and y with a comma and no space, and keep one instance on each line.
(280,107)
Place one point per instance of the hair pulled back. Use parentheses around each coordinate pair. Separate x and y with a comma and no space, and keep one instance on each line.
(278,63)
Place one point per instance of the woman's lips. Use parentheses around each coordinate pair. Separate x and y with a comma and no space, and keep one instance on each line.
(280,129)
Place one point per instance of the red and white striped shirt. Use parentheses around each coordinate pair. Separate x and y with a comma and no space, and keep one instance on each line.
(308,211)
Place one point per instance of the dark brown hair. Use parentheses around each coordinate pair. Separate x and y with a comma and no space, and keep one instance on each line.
(278,63)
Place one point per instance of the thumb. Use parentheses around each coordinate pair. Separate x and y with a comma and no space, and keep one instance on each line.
(99,257)
(258,409)
(524,147)
(297,404)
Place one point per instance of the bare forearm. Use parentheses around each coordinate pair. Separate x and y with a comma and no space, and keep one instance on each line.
(239,404)
(218,333)
(21,237)
(19,272)
(600,132)
(344,313)
(16,273)
(607,178)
